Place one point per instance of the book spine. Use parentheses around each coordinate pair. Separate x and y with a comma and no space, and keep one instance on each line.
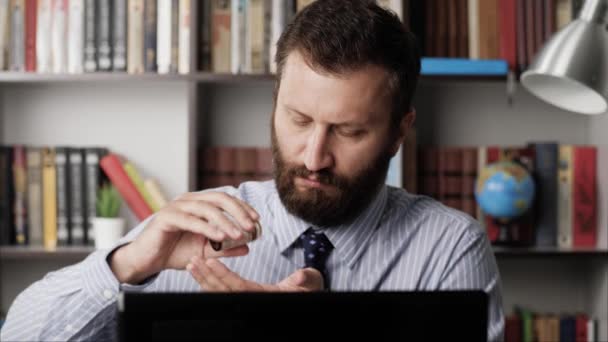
(49,198)
(43,37)
(602,197)
(136,179)
(546,193)
(473,13)
(77,192)
(584,210)
(185,8)
(59,36)
(93,179)
(31,8)
(256,35)
(150,36)
(4,39)
(119,35)
(34,195)
(20,200)
(76,37)
(220,31)
(237,9)
(565,176)
(522,56)
(6,195)
(469,175)
(205,36)
(64,219)
(174,36)
(508,32)
(17,47)
(156,193)
(135,58)
(277,27)
(90,36)
(104,39)
(113,168)
(163,42)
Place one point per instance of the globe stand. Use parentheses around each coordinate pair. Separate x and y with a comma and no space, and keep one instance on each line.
(505,235)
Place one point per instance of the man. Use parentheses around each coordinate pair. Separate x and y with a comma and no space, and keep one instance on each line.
(347,71)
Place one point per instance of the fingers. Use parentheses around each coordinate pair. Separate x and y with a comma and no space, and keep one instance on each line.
(242,212)
(212,275)
(307,279)
(232,252)
(176,219)
(212,214)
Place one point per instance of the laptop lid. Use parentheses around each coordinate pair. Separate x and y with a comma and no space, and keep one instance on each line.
(311,316)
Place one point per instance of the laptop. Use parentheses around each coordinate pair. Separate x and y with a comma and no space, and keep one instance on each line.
(304,316)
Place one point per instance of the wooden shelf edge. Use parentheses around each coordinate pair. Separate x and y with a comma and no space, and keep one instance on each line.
(198,77)
(19,253)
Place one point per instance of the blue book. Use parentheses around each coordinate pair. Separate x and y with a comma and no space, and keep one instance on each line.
(464,67)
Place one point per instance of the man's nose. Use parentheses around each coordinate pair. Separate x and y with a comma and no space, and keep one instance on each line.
(318,156)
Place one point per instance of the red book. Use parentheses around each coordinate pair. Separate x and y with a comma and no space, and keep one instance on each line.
(31,7)
(508,32)
(513,331)
(112,166)
(581,327)
(584,194)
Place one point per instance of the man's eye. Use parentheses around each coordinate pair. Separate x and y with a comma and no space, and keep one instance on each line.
(351,133)
(301,122)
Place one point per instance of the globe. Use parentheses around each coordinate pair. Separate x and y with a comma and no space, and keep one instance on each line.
(504,190)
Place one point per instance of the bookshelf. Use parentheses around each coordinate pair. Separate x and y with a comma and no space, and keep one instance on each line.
(158,121)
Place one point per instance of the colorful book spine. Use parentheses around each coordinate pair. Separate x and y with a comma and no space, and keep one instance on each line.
(135,177)
(112,166)
(155,192)
(34,195)
(20,201)
(585,197)
(49,198)
(31,14)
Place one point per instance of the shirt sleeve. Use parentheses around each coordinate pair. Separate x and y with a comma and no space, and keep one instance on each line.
(76,302)
(472,265)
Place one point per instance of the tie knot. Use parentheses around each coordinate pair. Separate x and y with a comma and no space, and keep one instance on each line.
(316,249)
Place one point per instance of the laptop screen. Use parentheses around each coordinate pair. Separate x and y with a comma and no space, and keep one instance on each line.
(311,316)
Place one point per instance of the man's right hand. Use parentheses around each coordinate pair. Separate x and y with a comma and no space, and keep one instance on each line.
(181,230)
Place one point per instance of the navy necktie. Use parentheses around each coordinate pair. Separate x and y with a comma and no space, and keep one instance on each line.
(316,251)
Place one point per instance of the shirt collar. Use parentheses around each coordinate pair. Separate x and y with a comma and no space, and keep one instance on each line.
(349,240)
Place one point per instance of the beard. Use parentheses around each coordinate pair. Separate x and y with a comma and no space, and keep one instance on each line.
(348,197)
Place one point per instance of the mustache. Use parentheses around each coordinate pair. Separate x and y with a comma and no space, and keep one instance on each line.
(322,176)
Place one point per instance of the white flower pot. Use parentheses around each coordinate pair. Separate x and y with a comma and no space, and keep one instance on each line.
(107,231)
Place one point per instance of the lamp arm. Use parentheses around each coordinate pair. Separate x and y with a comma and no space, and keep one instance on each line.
(595,11)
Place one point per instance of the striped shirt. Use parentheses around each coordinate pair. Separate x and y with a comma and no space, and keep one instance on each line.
(400,242)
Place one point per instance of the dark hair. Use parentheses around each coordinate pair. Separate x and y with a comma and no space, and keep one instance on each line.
(341,36)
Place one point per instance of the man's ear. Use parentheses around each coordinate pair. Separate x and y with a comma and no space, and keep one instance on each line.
(406,123)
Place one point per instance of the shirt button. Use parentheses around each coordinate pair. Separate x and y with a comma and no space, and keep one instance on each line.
(108,294)
(69,328)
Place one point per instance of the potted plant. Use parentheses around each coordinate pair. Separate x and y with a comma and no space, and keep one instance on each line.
(108,227)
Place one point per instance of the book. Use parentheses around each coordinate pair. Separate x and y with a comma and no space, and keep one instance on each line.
(4,31)
(462,66)
(6,196)
(135,177)
(220,33)
(64,219)
(94,178)
(156,193)
(17,34)
(59,36)
(119,35)
(150,38)
(174,36)
(90,36)
(602,197)
(135,37)
(546,203)
(49,198)
(20,199)
(104,39)
(183,65)
(31,14)
(508,32)
(34,195)
(77,195)
(76,37)
(163,36)
(112,166)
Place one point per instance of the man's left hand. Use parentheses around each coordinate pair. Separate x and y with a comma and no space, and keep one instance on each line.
(214,276)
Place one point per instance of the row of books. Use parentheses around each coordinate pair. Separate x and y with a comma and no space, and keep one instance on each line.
(570,206)
(48,195)
(528,326)
(246,31)
(228,165)
(76,36)
(513,30)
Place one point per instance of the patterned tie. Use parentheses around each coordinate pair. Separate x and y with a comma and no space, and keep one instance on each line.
(316,251)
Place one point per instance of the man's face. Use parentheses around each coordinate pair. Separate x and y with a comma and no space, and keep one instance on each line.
(331,141)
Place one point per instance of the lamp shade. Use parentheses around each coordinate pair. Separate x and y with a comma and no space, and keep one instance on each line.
(571,70)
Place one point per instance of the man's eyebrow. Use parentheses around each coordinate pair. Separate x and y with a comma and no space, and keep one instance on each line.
(291,109)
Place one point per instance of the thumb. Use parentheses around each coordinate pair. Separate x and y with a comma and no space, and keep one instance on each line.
(307,279)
